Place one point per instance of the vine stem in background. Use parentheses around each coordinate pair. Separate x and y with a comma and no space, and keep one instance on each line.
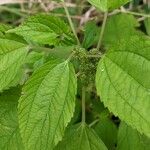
(102,30)
(70,21)
(83,104)
(135,13)
(11,10)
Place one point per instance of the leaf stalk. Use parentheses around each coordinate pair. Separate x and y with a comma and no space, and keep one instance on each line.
(70,21)
(83,104)
(102,30)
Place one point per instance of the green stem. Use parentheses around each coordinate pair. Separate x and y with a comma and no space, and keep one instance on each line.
(11,10)
(70,21)
(70,56)
(135,13)
(83,104)
(102,30)
(94,122)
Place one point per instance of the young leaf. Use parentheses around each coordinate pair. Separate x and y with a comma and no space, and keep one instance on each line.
(45,29)
(9,131)
(12,56)
(91,34)
(107,131)
(105,5)
(47,105)
(122,81)
(81,137)
(131,139)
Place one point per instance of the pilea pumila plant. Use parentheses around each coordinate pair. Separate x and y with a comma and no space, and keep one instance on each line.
(65,91)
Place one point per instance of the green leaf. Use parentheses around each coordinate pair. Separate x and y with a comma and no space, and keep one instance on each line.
(81,137)
(113,4)
(45,29)
(4,27)
(91,34)
(100,4)
(107,131)
(9,130)
(34,57)
(122,81)
(47,105)
(131,139)
(97,106)
(105,5)
(119,27)
(12,56)
(77,113)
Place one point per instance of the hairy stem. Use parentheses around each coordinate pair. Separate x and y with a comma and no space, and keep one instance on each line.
(102,30)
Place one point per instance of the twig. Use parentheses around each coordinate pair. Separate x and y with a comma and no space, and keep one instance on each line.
(86,16)
(2,2)
(43,6)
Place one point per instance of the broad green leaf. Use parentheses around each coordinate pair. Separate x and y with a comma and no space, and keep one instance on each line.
(47,105)
(10,138)
(12,56)
(81,137)
(107,131)
(105,5)
(131,139)
(100,4)
(45,29)
(113,4)
(119,27)
(122,81)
